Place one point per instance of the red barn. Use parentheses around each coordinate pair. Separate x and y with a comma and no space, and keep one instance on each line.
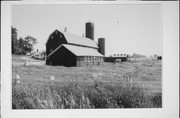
(66,49)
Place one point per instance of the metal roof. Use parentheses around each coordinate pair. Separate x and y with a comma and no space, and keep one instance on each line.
(78,50)
(82,51)
(119,55)
(74,39)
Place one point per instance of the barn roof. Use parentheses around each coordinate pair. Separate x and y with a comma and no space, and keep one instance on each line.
(82,51)
(78,40)
(78,50)
(74,39)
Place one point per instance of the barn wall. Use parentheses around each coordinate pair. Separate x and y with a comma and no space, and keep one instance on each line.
(80,61)
(55,40)
(89,60)
(63,57)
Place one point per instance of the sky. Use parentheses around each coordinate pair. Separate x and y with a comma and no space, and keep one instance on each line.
(127,29)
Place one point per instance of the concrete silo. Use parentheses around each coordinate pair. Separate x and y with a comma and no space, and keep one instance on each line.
(101,45)
(90,30)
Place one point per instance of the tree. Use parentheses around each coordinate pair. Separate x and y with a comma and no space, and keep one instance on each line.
(21,42)
(22,46)
(14,38)
(29,42)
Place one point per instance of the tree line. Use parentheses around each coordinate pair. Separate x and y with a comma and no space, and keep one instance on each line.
(21,46)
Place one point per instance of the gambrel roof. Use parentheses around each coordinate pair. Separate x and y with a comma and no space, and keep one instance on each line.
(77,40)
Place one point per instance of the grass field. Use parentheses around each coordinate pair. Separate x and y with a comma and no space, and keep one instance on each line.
(108,85)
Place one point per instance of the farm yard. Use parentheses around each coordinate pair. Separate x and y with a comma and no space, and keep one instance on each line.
(134,84)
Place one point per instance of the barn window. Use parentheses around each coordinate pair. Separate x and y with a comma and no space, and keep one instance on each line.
(88,58)
(100,58)
(51,37)
(85,59)
(91,59)
(60,36)
(56,32)
(94,60)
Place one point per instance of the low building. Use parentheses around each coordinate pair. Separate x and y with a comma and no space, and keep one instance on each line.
(116,58)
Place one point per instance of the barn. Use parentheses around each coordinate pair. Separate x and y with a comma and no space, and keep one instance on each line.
(66,49)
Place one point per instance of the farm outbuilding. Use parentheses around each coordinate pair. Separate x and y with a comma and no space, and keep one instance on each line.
(159,57)
(116,58)
(63,48)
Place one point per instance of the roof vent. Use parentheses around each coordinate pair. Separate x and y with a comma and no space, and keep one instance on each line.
(65,29)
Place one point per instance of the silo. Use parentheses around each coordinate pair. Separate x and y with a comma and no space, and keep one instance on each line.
(101,45)
(90,30)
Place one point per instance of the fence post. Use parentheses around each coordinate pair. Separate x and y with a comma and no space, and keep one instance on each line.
(52,79)
(17,80)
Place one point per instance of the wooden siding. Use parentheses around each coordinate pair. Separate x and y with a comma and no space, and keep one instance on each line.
(88,60)
(55,40)
(62,57)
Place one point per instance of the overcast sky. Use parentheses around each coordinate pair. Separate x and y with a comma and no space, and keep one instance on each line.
(126,28)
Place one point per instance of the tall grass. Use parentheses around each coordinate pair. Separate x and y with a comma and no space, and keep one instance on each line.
(74,95)
(104,86)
